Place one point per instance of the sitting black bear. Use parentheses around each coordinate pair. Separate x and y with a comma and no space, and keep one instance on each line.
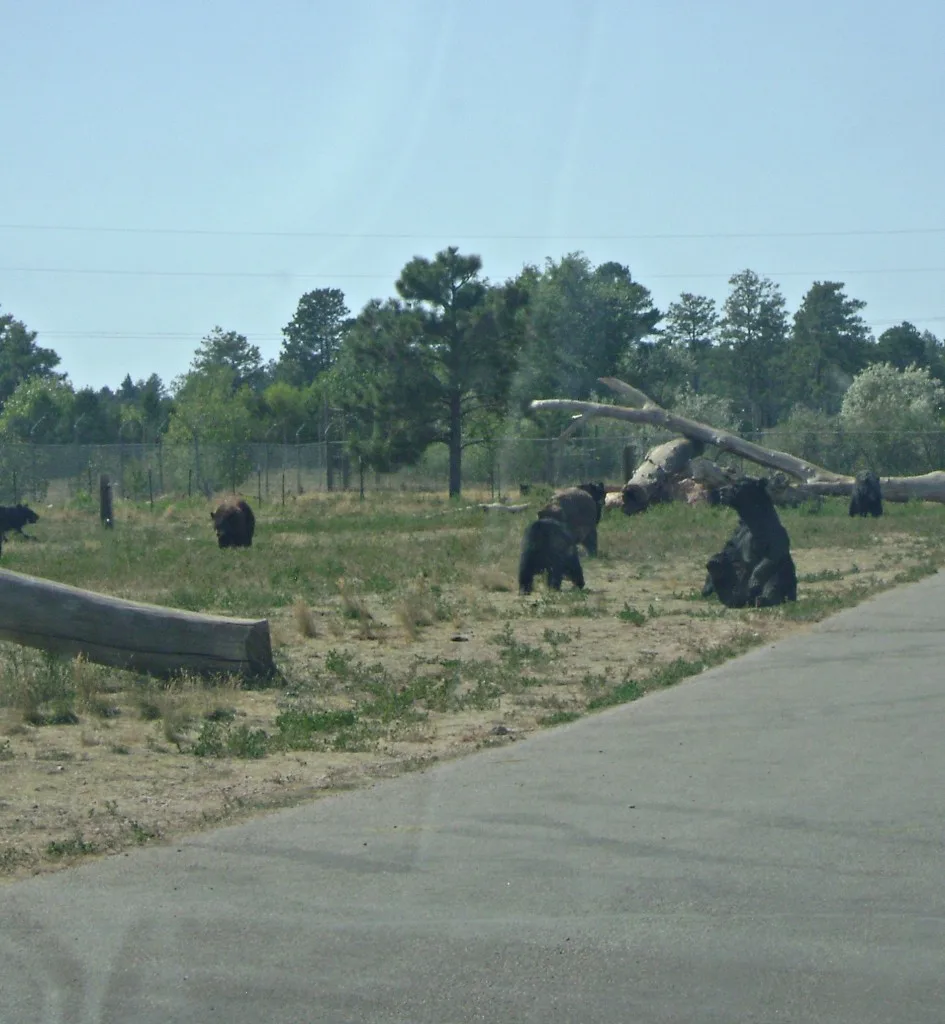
(867,497)
(755,567)
(234,523)
(549,547)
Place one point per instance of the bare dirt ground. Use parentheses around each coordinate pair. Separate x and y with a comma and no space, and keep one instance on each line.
(110,783)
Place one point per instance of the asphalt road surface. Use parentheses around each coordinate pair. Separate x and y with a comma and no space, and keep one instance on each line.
(761,844)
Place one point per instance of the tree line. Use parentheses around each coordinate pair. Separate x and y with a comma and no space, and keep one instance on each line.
(455,359)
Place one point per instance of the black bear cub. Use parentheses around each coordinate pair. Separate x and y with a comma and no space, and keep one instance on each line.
(867,497)
(549,547)
(755,567)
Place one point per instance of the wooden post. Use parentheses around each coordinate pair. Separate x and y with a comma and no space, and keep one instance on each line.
(146,638)
(105,501)
(150,489)
(16,497)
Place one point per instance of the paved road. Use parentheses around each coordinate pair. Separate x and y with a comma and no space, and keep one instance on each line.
(763,844)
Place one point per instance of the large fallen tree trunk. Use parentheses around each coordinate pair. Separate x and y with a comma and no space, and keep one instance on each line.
(651,481)
(127,634)
(816,479)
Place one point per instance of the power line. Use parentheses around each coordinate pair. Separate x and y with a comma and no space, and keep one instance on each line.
(123,272)
(276,274)
(412,236)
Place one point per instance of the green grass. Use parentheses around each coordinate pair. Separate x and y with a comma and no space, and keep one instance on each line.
(395,552)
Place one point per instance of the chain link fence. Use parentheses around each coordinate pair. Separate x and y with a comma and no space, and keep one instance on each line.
(56,474)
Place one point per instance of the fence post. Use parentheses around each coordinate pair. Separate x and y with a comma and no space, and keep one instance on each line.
(105,501)
(150,489)
(16,497)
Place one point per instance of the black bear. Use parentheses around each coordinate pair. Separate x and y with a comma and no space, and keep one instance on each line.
(867,497)
(549,547)
(579,512)
(755,567)
(598,492)
(15,517)
(234,523)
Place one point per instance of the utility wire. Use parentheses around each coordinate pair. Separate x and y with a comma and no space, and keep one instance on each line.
(413,236)
(275,274)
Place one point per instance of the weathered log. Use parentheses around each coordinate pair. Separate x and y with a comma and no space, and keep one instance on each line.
(663,464)
(782,491)
(498,506)
(146,638)
(817,479)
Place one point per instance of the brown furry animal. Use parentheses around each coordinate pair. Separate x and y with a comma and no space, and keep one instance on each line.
(579,512)
(234,523)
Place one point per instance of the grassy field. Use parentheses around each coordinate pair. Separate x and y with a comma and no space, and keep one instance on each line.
(400,638)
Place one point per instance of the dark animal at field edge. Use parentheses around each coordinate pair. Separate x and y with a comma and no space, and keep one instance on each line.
(234,523)
(755,568)
(548,547)
(579,512)
(867,497)
(14,518)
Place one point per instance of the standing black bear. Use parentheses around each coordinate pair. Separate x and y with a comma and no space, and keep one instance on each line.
(577,510)
(549,547)
(234,523)
(755,567)
(867,497)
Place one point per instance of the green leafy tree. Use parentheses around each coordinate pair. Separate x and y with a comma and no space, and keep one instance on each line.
(20,357)
(829,345)
(467,345)
(753,340)
(896,417)
(39,410)
(215,416)
(658,368)
(144,403)
(296,411)
(384,388)
(230,351)
(312,338)
(901,346)
(581,323)
(692,326)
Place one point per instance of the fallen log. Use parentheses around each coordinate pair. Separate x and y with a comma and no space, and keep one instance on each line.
(498,506)
(132,635)
(816,479)
(664,464)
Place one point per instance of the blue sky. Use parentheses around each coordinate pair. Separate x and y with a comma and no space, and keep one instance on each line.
(232,155)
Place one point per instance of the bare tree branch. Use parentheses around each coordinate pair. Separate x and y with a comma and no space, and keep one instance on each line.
(929,487)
